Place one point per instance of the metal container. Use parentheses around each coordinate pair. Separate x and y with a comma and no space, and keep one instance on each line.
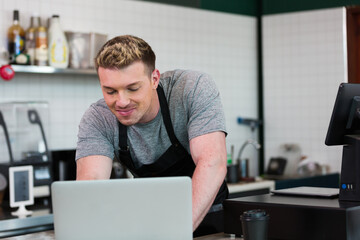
(83,48)
(27,124)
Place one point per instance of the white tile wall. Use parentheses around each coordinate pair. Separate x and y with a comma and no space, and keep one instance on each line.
(221,44)
(304,61)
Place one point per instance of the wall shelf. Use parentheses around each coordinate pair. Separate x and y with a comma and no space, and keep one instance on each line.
(51,70)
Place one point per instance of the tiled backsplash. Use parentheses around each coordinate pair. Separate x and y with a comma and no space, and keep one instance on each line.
(224,45)
(304,63)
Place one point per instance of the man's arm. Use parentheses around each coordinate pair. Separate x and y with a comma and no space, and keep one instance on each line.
(209,154)
(93,168)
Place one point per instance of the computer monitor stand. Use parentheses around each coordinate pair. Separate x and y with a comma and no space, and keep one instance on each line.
(22,212)
(350,170)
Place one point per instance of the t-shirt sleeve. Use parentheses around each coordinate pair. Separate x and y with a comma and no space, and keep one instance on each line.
(205,109)
(93,135)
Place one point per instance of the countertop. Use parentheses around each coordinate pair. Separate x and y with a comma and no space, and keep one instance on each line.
(42,219)
(49,235)
(250,186)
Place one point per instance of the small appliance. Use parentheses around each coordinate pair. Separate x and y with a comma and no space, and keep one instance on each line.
(23,142)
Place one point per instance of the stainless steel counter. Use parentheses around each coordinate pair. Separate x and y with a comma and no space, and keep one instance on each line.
(40,220)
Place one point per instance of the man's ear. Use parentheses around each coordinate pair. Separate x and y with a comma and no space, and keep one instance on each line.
(155,78)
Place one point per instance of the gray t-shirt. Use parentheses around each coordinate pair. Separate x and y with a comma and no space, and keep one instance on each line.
(195,109)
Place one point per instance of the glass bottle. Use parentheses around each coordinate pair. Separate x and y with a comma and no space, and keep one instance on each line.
(41,45)
(30,38)
(16,38)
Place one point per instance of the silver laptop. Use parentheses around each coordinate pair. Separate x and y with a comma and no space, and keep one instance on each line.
(142,208)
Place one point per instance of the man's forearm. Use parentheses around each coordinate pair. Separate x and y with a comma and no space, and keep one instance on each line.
(206,182)
(93,168)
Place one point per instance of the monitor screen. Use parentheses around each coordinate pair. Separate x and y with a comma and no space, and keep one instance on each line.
(21,189)
(345,119)
(21,186)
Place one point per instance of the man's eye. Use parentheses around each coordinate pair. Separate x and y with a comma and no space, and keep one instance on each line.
(110,92)
(134,89)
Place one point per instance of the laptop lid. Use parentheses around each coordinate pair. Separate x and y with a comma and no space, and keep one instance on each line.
(142,208)
(308,192)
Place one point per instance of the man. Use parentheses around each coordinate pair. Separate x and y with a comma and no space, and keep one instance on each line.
(168,125)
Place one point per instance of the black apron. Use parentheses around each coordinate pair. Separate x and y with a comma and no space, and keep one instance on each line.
(176,161)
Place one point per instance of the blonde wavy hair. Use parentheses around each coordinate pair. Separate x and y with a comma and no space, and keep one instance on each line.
(121,51)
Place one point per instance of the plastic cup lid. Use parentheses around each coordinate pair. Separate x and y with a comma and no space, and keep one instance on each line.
(254,214)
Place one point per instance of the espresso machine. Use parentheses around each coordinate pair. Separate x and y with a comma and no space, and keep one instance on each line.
(23,142)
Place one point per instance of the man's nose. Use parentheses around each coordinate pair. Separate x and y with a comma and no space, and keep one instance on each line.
(122,100)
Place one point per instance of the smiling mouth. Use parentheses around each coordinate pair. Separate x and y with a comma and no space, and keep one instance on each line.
(125,112)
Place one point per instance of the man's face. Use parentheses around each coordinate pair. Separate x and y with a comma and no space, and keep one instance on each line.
(130,93)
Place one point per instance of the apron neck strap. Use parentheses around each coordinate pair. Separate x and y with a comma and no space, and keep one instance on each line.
(166,115)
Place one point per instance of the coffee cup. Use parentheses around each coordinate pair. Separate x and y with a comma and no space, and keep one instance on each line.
(254,224)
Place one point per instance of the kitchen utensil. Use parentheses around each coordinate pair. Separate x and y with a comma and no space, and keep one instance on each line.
(35,119)
(7,139)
